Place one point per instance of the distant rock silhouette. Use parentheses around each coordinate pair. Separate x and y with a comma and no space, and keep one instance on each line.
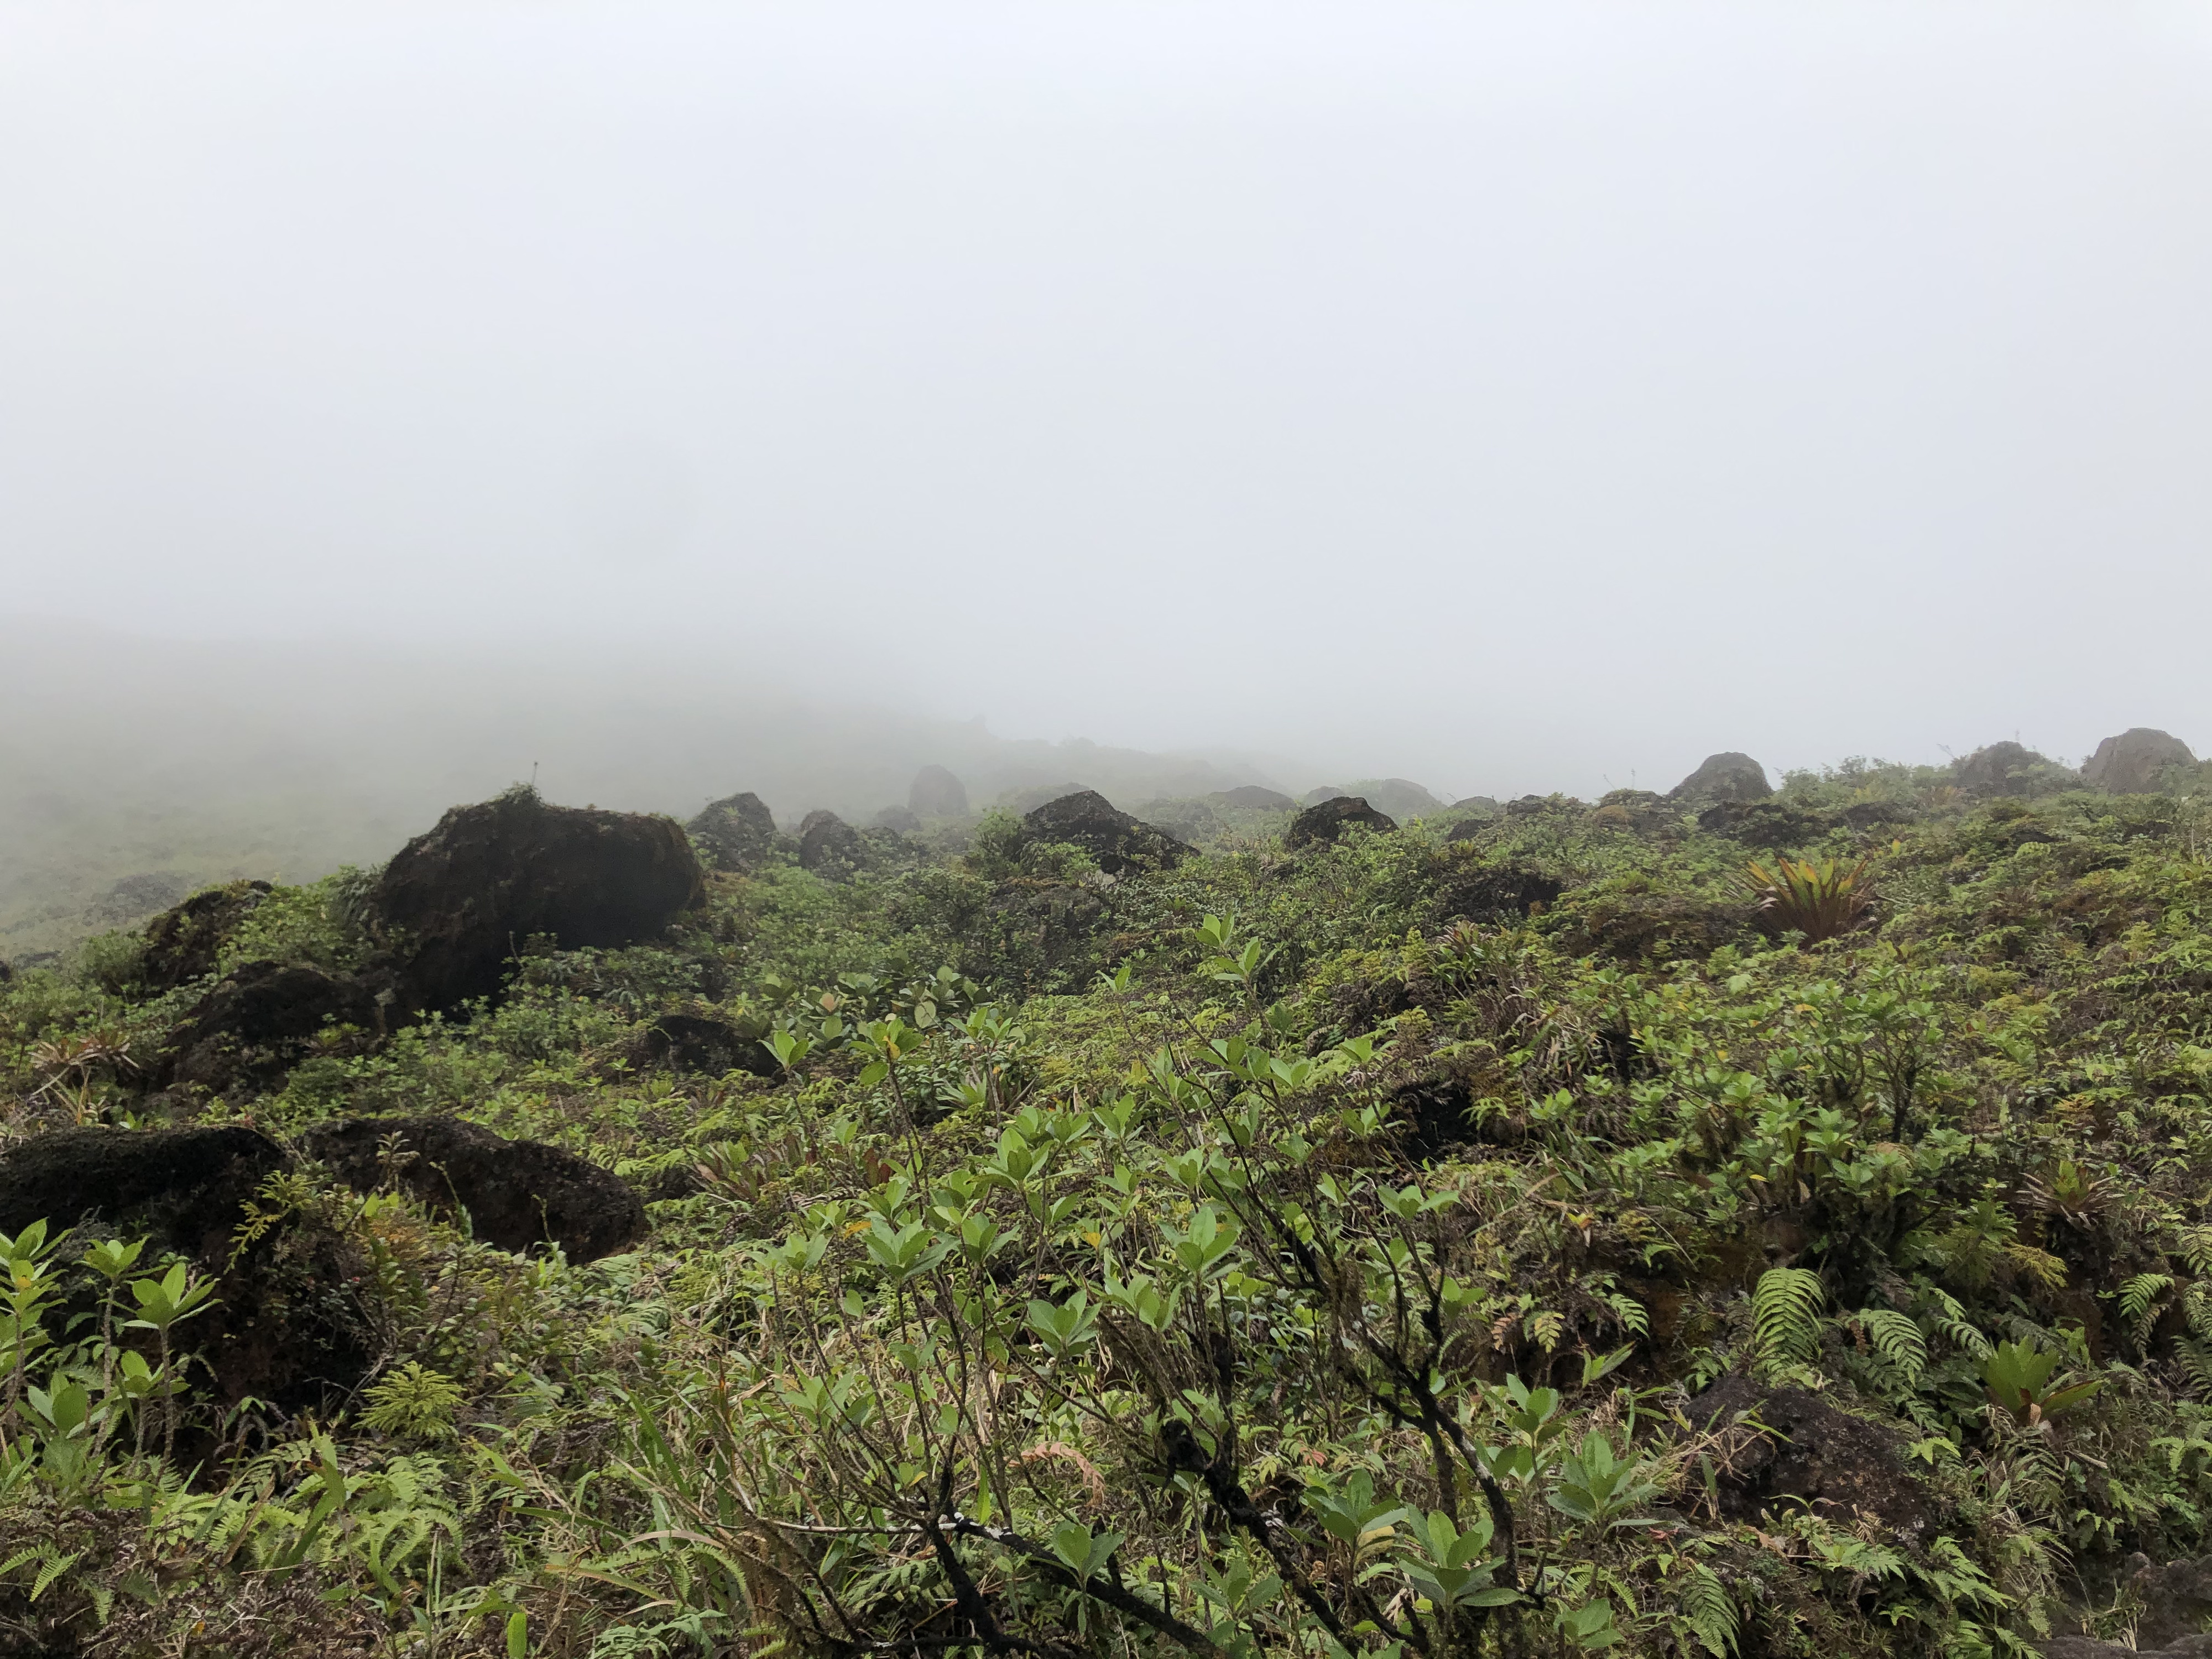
(2008,768)
(830,847)
(1120,842)
(1723,777)
(453,906)
(900,820)
(2134,763)
(1327,819)
(936,793)
(1398,797)
(1475,804)
(1250,795)
(738,831)
(1189,820)
(1326,792)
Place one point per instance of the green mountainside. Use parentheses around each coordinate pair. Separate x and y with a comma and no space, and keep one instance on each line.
(1733,1224)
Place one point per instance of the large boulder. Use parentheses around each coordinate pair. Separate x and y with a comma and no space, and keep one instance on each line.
(1326,792)
(185,1188)
(830,847)
(936,793)
(181,944)
(1254,796)
(2134,761)
(899,820)
(1327,819)
(517,1194)
(454,905)
(738,831)
(1120,842)
(1809,1455)
(289,1325)
(2008,768)
(260,1020)
(1729,776)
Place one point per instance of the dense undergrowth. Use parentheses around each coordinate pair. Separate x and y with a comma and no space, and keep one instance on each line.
(1393,1248)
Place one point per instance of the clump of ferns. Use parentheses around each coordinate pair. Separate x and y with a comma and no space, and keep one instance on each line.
(2146,1299)
(1818,898)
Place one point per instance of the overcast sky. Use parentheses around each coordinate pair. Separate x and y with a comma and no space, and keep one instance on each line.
(1508,396)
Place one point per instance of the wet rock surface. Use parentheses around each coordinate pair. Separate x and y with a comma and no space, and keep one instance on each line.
(454,906)
(830,847)
(738,831)
(1730,775)
(186,1188)
(1818,1456)
(519,1194)
(699,1043)
(1327,819)
(1120,841)
(260,1020)
(181,944)
(2134,761)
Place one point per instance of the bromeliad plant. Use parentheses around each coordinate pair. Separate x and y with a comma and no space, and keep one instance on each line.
(1819,898)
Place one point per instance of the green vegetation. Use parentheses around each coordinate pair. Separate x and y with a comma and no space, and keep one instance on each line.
(1395,1248)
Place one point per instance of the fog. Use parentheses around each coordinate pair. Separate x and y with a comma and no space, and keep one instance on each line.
(1509,397)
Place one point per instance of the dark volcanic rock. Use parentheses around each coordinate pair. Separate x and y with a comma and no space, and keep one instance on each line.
(287,1327)
(830,847)
(1327,819)
(261,1020)
(1468,828)
(697,1042)
(738,831)
(1477,807)
(1729,776)
(936,793)
(899,820)
(187,1189)
(181,944)
(455,904)
(1253,795)
(2133,762)
(1826,1458)
(2008,768)
(519,1194)
(1120,842)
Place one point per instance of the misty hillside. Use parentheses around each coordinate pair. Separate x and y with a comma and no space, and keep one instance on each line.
(1738,1223)
(134,770)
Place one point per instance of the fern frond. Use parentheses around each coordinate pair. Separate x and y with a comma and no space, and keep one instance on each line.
(2197,1363)
(1898,1339)
(2197,1309)
(2196,1250)
(1709,1611)
(2139,1300)
(1785,1315)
